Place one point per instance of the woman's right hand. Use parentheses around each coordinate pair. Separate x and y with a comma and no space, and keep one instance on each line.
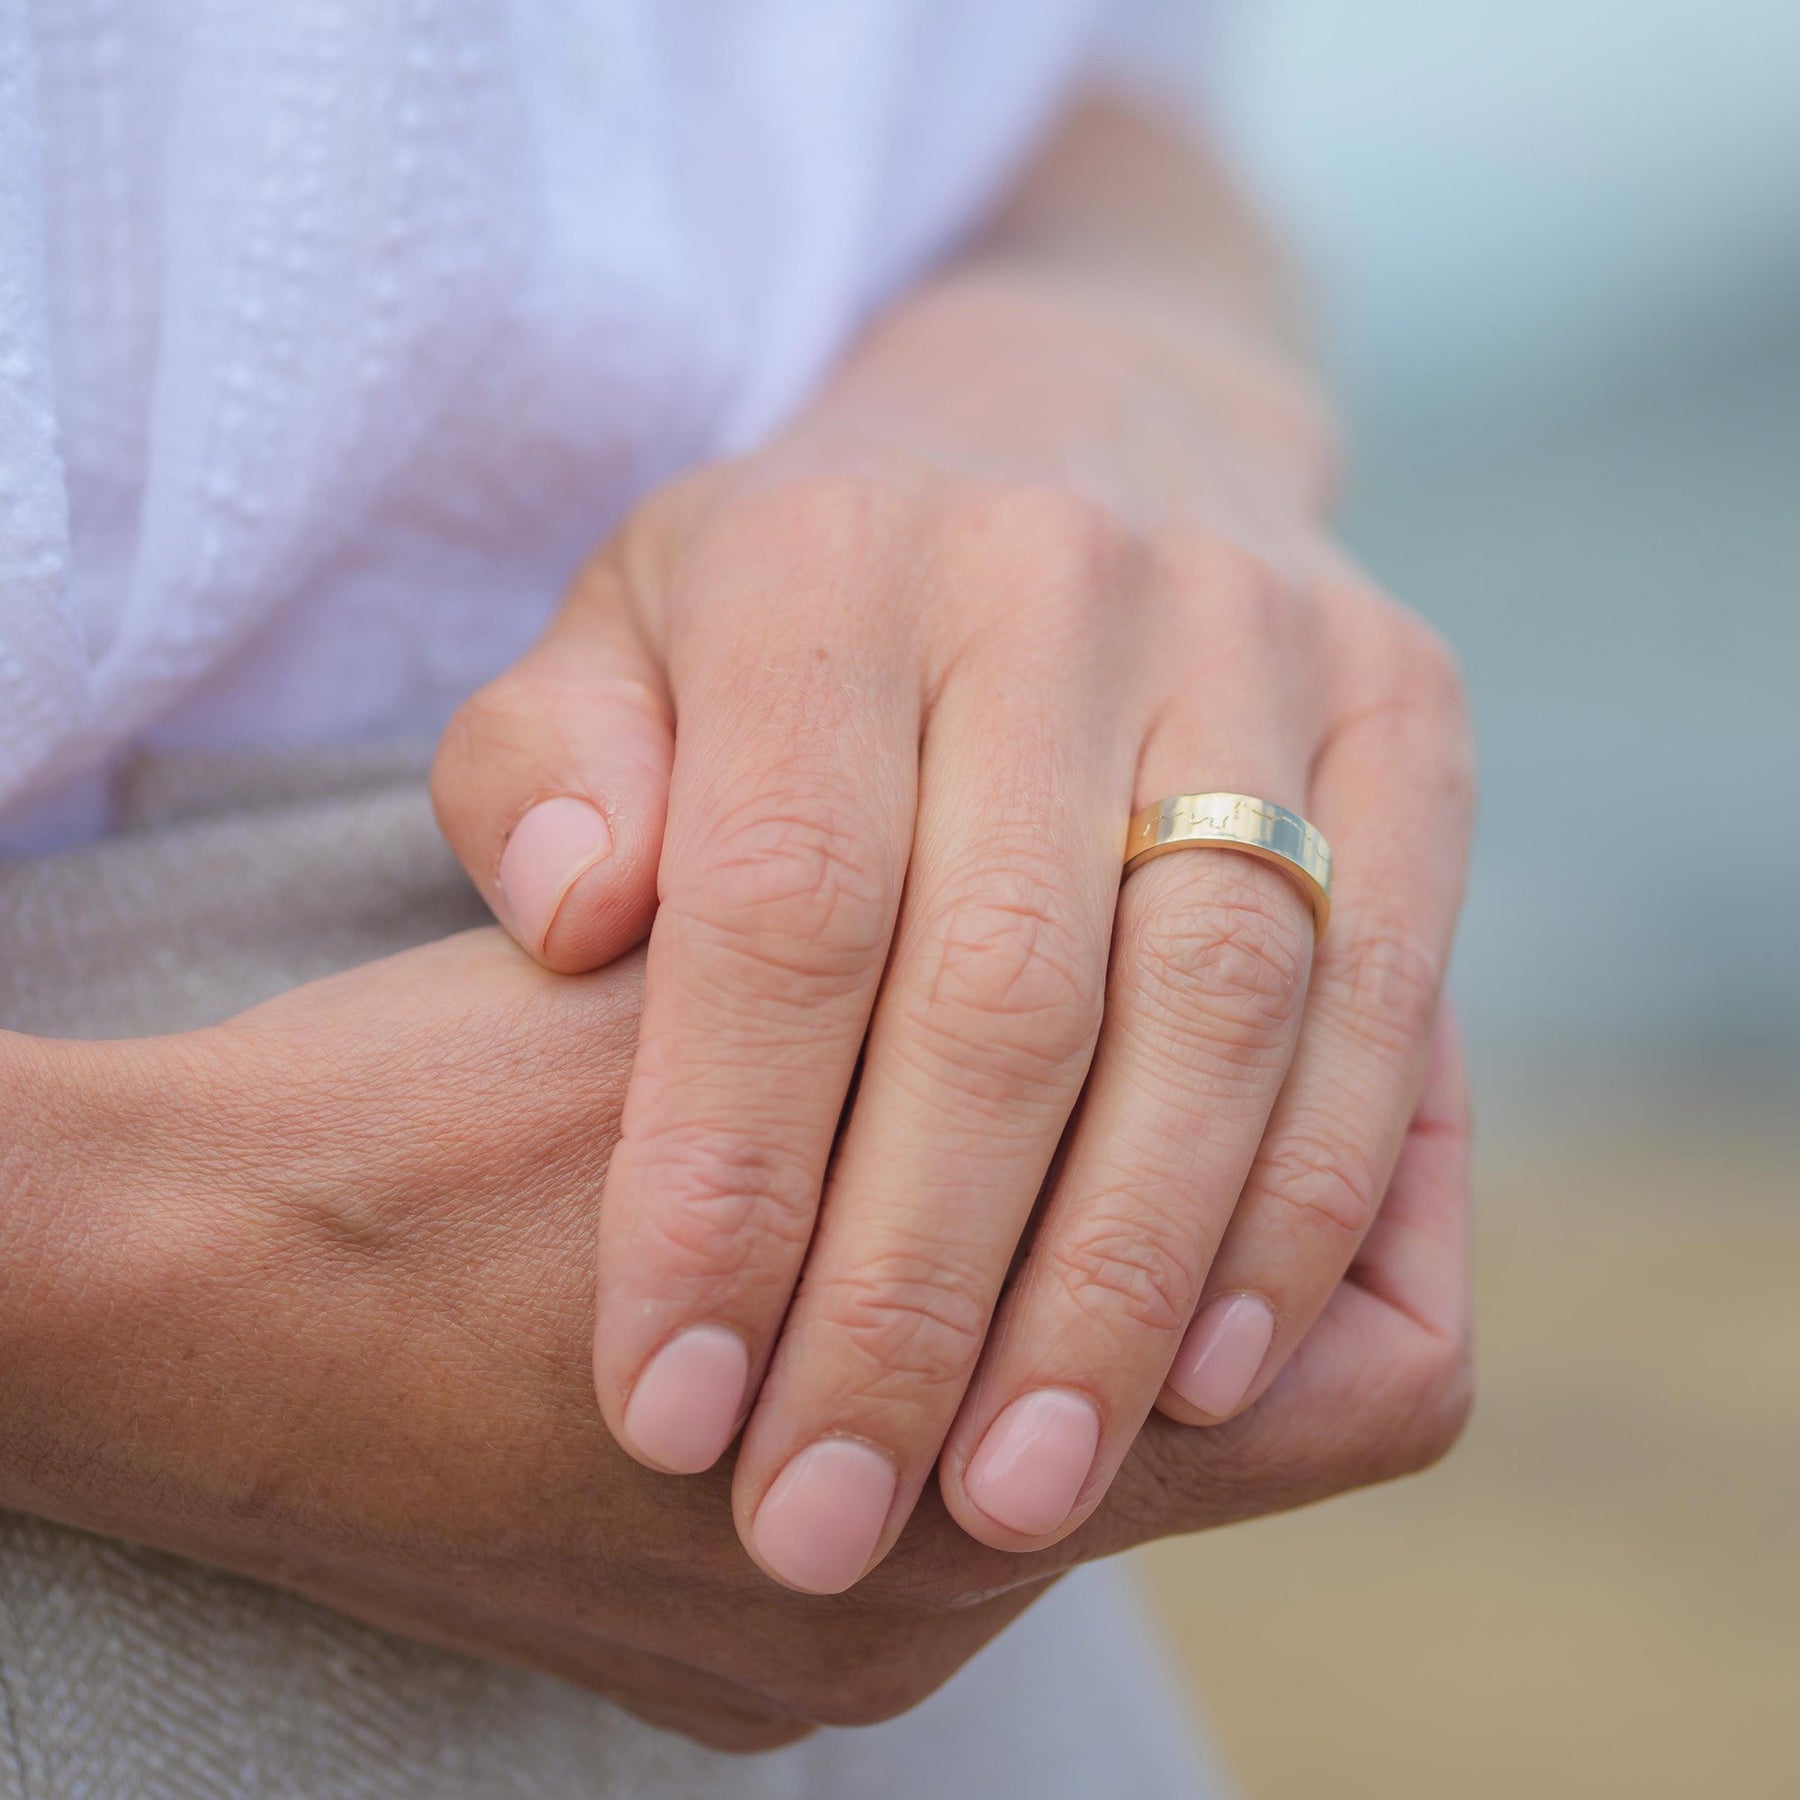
(308,1296)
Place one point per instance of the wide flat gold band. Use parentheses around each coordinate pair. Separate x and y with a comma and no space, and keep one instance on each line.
(1237,822)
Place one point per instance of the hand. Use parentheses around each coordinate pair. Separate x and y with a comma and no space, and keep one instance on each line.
(308,1296)
(1034,560)
(320,1315)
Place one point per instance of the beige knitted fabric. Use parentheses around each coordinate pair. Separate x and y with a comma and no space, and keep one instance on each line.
(129,1675)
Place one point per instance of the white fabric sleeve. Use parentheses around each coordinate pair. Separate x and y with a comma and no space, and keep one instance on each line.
(1164,52)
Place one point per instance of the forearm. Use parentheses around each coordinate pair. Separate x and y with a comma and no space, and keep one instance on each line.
(307,1297)
(26,1115)
(53,1137)
(1119,200)
(91,1220)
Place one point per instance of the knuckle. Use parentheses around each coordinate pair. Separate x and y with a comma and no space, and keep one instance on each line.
(1440,1398)
(1229,959)
(1053,550)
(1143,1273)
(1431,674)
(724,1200)
(794,884)
(1187,1486)
(1320,1183)
(811,535)
(495,721)
(1410,1413)
(884,1678)
(910,1322)
(1424,701)
(1238,594)
(736,1731)
(1393,981)
(1056,530)
(1009,986)
(827,519)
(1451,1407)
(1429,668)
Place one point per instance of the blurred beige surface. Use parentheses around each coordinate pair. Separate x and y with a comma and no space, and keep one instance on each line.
(1568,338)
(1599,1594)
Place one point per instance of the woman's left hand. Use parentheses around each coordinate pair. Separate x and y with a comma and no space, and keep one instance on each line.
(1035,560)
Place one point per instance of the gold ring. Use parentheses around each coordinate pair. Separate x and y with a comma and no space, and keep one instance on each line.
(1237,822)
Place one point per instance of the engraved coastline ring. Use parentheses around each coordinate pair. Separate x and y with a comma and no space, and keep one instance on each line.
(1242,823)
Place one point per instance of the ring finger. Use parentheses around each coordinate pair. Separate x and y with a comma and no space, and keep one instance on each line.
(1393,786)
(1209,975)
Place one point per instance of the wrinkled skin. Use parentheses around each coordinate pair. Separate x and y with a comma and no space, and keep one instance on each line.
(309,1296)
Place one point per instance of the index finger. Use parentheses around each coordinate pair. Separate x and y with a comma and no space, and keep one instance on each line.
(790,815)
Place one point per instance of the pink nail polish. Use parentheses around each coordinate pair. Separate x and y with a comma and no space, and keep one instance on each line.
(819,1524)
(1223,1349)
(551,848)
(684,1409)
(1032,1462)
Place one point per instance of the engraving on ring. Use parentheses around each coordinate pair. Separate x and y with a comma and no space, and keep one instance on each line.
(1239,822)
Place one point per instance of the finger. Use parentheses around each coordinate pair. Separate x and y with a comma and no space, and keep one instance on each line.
(1204,998)
(1415,1258)
(1379,1388)
(790,816)
(1391,790)
(551,783)
(976,1056)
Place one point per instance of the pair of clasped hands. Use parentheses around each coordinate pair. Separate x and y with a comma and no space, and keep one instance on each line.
(946,1155)
(949,1176)
(952,1177)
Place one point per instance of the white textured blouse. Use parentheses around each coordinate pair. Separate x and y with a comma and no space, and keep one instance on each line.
(333,333)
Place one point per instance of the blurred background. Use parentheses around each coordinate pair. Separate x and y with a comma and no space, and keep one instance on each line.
(1556,247)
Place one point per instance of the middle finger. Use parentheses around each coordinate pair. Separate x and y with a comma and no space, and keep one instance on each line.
(977,1052)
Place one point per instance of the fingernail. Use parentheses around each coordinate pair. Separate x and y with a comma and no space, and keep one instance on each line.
(1222,1352)
(1033,1460)
(819,1524)
(551,848)
(685,1406)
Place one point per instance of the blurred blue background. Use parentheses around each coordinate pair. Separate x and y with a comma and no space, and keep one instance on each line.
(1555,250)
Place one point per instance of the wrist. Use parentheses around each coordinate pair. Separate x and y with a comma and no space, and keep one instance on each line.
(1086,369)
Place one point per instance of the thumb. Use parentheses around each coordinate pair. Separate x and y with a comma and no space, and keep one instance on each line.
(551,783)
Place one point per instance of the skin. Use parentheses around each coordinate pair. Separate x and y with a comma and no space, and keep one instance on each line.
(866,712)
(311,1295)
(308,1295)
